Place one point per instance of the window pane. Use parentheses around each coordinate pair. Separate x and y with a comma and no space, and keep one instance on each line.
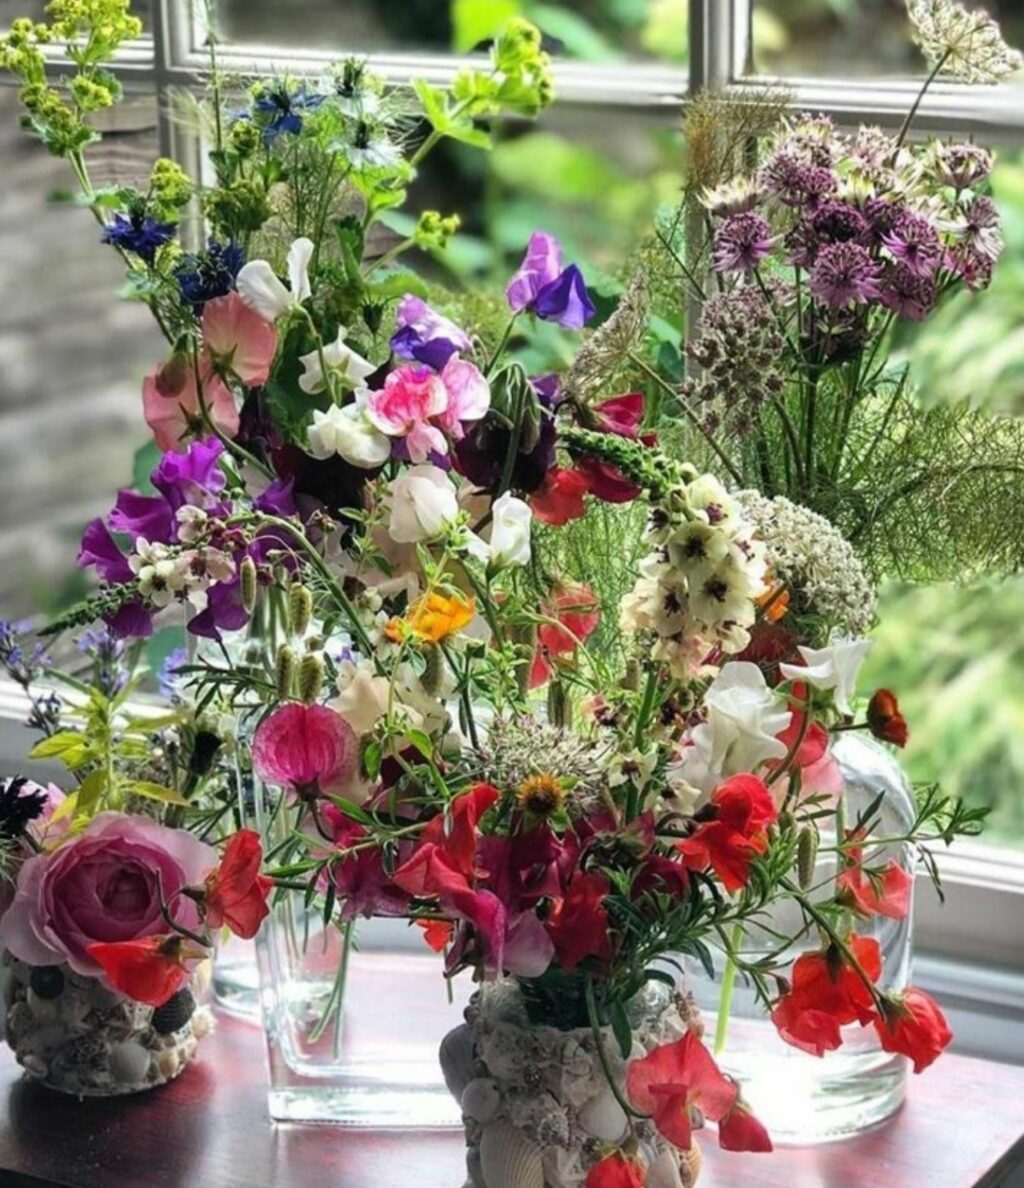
(72,357)
(593,30)
(844,38)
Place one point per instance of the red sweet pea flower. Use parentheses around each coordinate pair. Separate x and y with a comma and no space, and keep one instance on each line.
(621,414)
(913,1025)
(742,809)
(576,613)
(455,833)
(673,1080)
(578,924)
(437,933)
(149,969)
(739,1130)
(236,892)
(887,894)
(827,993)
(615,1172)
(560,497)
(885,720)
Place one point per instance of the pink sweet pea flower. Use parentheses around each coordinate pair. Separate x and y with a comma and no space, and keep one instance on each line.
(238,340)
(306,748)
(404,407)
(170,403)
(469,396)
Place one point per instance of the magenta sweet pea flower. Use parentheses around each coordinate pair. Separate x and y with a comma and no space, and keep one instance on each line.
(405,406)
(424,335)
(238,340)
(553,292)
(308,749)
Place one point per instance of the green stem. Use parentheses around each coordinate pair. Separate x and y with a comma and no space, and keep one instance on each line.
(728,985)
(920,96)
(500,348)
(602,1055)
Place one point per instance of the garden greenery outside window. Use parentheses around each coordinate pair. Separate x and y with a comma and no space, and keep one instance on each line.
(594,170)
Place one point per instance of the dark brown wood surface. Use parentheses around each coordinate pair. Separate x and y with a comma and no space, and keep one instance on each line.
(962,1127)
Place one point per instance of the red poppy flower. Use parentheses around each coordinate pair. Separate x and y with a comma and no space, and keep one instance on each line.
(743,809)
(576,613)
(885,894)
(826,993)
(236,891)
(560,498)
(673,1080)
(885,720)
(913,1025)
(739,1130)
(149,969)
(615,1172)
(578,924)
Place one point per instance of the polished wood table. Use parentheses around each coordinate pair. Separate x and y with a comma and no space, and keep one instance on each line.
(962,1127)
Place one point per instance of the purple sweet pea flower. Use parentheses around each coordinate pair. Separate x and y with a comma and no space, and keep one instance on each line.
(149,516)
(100,550)
(224,611)
(132,621)
(193,477)
(543,285)
(278,499)
(425,335)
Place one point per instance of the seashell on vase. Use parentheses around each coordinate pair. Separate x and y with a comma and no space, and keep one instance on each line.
(77,1036)
(537,1106)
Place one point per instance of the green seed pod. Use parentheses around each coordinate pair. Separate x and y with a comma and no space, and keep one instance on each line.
(559,706)
(806,854)
(311,677)
(250,587)
(300,609)
(285,671)
(431,678)
(787,822)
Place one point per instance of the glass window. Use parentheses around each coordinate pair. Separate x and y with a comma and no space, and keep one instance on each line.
(851,38)
(588,30)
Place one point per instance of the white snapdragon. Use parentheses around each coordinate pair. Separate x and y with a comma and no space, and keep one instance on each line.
(263,291)
(348,432)
(423,504)
(833,667)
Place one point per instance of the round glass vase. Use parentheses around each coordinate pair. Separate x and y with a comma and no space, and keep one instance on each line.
(801,1098)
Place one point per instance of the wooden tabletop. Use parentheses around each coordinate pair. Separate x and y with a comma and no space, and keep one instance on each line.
(962,1127)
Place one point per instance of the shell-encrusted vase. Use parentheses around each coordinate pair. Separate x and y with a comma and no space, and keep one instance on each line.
(75,1035)
(536,1105)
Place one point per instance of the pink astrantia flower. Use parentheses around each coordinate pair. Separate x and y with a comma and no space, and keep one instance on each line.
(469,396)
(844,273)
(306,748)
(404,407)
(170,403)
(238,340)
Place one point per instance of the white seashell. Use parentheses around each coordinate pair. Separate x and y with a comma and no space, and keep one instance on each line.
(203,1024)
(129,1062)
(457,1057)
(603,1118)
(508,1159)
(664,1171)
(481,1099)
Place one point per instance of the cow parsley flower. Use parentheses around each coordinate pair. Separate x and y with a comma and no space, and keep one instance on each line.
(967,46)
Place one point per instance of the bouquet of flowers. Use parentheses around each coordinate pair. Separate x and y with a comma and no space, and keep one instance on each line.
(362,506)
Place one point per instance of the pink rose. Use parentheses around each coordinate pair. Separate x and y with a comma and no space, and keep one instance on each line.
(104,885)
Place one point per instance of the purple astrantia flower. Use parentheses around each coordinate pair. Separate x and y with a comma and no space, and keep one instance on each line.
(543,285)
(908,293)
(139,234)
(981,228)
(795,183)
(844,273)
(838,222)
(209,274)
(741,243)
(961,165)
(425,335)
(882,215)
(914,243)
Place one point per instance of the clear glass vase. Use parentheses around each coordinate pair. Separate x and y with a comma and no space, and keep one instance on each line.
(353,1015)
(802,1098)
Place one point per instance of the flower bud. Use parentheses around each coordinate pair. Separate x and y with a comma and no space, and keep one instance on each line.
(249,585)
(806,855)
(285,672)
(311,677)
(300,608)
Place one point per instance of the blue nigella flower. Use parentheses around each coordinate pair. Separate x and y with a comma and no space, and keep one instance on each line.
(205,275)
(139,233)
(280,110)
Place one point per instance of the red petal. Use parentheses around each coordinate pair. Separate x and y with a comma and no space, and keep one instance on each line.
(139,968)
(739,1130)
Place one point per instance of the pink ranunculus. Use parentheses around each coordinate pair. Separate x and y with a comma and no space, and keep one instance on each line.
(170,403)
(237,339)
(103,886)
(306,748)
(411,396)
(469,396)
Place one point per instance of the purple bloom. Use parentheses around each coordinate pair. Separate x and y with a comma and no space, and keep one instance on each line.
(882,215)
(425,335)
(961,165)
(914,243)
(193,478)
(480,455)
(742,242)
(908,293)
(795,183)
(139,233)
(844,273)
(167,677)
(224,611)
(150,516)
(554,293)
(210,274)
(838,222)
(278,499)
(132,621)
(981,228)
(99,550)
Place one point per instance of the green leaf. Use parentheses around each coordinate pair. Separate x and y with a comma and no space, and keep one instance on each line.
(620,1028)
(352,810)
(157,792)
(373,756)
(90,792)
(435,109)
(57,745)
(397,284)
(422,742)
(474,21)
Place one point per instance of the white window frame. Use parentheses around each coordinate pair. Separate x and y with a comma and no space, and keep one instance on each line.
(975,943)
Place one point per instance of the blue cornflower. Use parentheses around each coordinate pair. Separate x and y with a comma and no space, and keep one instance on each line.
(139,233)
(281,110)
(205,275)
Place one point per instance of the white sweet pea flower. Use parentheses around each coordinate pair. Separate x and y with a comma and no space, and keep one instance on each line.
(261,289)
(739,734)
(423,503)
(832,667)
(363,695)
(350,367)
(349,433)
(510,531)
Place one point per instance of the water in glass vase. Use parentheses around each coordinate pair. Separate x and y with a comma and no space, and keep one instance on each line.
(802,1098)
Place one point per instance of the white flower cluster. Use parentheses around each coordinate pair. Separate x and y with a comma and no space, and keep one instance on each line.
(814,561)
(699,586)
(167,573)
(969,45)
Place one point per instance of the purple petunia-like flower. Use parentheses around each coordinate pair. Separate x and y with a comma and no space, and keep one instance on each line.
(741,243)
(914,243)
(139,233)
(909,294)
(844,273)
(553,292)
(425,335)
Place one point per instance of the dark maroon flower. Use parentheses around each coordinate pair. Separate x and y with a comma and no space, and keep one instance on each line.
(838,222)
